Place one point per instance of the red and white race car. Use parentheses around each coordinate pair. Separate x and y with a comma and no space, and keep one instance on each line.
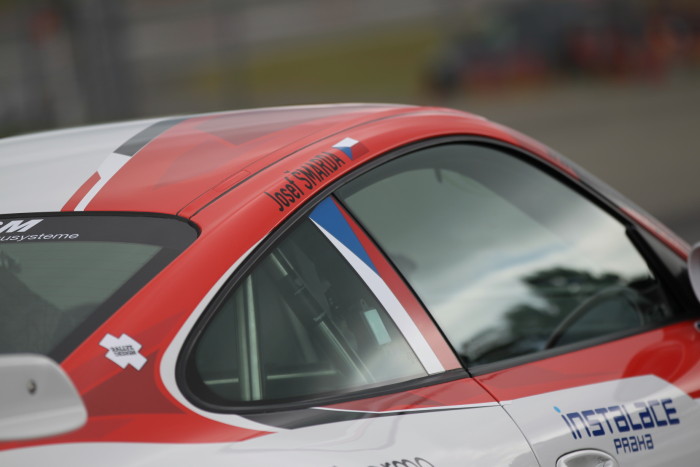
(334,286)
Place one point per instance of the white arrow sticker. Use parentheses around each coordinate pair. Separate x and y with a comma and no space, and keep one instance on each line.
(123,351)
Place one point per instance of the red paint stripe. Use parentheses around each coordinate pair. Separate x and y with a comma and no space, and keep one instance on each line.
(671,353)
(82,191)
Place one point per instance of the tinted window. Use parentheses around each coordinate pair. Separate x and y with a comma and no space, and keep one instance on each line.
(301,323)
(508,260)
(60,277)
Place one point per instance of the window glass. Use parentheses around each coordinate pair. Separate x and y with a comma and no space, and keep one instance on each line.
(301,323)
(508,260)
(62,276)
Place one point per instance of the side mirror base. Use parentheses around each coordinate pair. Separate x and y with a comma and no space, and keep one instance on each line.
(38,399)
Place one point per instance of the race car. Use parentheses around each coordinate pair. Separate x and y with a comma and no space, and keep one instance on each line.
(336,286)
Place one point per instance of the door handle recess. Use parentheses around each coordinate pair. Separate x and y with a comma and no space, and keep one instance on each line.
(587,458)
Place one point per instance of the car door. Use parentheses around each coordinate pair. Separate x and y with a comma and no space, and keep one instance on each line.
(576,320)
(320,344)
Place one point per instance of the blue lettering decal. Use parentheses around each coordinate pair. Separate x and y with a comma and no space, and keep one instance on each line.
(575,415)
(600,431)
(645,415)
(669,411)
(635,426)
(658,422)
(619,420)
(576,434)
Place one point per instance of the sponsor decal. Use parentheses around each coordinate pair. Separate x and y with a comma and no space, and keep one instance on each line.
(299,182)
(414,462)
(623,421)
(123,351)
(30,238)
(18,225)
(633,444)
(22,226)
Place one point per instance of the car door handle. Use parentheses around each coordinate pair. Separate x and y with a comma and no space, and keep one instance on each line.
(587,458)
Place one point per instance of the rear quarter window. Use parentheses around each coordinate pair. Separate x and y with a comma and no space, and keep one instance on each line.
(62,276)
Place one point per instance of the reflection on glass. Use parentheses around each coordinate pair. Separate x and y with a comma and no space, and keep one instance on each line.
(501,253)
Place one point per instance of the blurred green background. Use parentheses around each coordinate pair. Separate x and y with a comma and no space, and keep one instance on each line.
(611,84)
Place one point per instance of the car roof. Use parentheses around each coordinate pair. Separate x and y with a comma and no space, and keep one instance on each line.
(157,165)
(180,165)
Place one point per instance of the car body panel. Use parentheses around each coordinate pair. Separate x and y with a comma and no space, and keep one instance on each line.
(636,420)
(652,367)
(48,168)
(421,440)
(242,178)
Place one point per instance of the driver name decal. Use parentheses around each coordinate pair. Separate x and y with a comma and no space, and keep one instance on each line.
(305,177)
(298,182)
(123,351)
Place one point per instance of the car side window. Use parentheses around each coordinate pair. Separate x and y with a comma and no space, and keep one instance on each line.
(301,323)
(509,260)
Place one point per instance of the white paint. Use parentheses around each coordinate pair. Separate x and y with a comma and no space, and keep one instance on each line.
(106,171)
(480,436)
(41,172)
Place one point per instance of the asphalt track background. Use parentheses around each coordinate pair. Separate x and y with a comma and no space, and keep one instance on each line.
(641,138)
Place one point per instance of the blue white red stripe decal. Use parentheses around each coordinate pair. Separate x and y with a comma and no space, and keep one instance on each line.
(328,217)
(330,220)
(351,148)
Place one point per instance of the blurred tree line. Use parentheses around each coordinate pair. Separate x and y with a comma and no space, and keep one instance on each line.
(539,40)
(69,62)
